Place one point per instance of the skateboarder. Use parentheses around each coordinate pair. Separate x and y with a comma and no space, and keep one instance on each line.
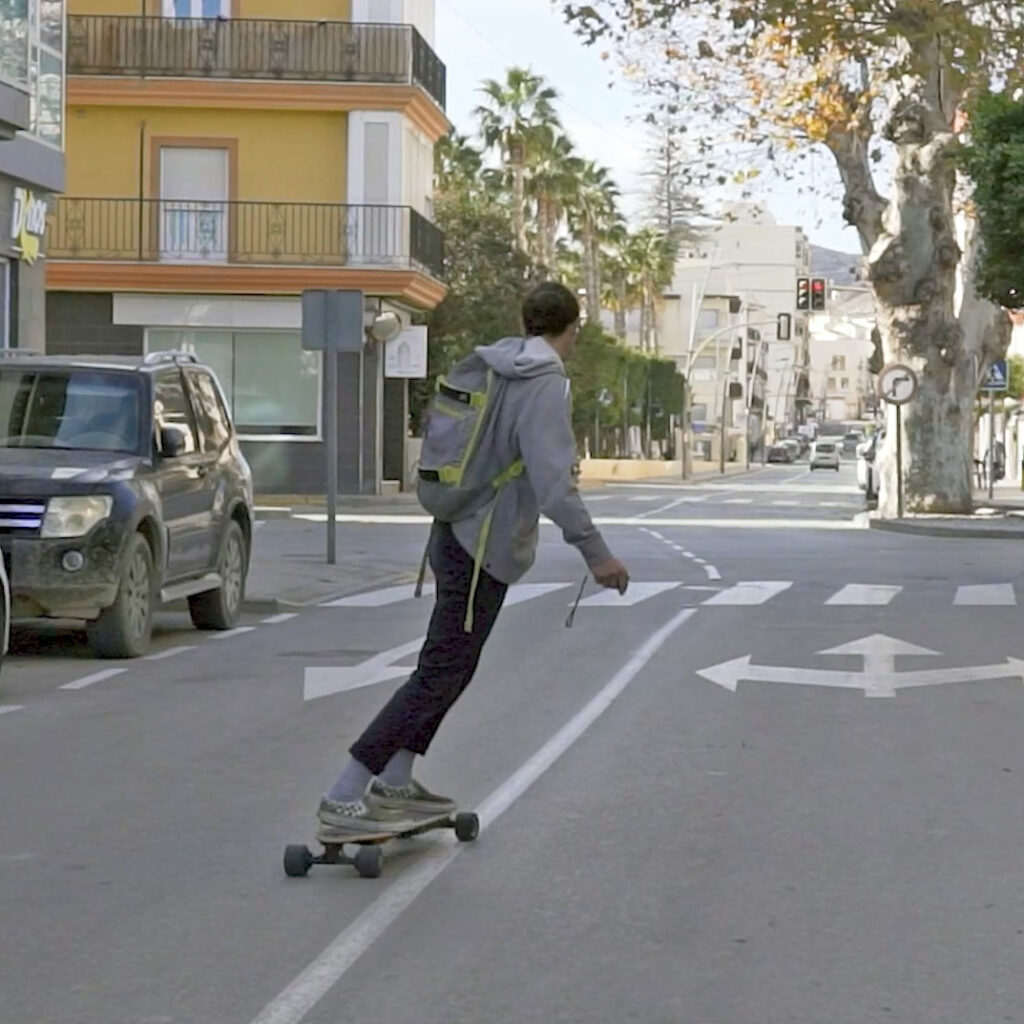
(522,447)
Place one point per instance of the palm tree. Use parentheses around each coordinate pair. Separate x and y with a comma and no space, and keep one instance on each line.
(647,263)
(552,182)
(510,119)
(457,163)
(594,219)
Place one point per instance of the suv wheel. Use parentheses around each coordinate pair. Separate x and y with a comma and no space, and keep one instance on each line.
(124,629)
(220,608)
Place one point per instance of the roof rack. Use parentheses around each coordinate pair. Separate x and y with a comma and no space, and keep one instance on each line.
(169,356)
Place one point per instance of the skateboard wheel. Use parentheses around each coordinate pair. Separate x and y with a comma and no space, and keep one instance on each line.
(467,827)
(369,861)
(297,861)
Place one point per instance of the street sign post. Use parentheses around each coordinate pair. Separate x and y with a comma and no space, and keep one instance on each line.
(897,385)
(996,381)
(332,322)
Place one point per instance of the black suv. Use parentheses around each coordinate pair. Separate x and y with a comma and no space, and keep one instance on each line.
(122,485)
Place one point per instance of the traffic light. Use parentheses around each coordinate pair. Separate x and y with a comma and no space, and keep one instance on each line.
(803,293)
(818,294)
(784,329)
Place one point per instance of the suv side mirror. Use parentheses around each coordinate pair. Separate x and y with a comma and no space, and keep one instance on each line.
(172,442)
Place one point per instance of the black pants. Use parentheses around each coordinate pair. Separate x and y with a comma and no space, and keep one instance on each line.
(448,658)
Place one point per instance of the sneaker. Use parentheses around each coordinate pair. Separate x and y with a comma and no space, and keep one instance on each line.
(362,817)
(413,798)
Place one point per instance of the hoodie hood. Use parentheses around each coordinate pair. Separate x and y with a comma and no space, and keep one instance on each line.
(521,358)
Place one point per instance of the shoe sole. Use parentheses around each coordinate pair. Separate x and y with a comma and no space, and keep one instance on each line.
(411,807)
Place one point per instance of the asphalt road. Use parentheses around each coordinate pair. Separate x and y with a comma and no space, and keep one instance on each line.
(691,813)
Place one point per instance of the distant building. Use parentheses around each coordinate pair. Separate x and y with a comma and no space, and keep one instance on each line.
(840,350)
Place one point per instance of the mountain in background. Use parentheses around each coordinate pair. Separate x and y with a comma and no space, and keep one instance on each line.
(841,268)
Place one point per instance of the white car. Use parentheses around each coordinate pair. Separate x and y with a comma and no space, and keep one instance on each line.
(825,455)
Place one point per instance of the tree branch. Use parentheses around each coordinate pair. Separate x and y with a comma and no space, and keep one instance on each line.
(863,206)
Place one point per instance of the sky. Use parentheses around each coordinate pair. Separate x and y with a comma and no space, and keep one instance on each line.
(479,39)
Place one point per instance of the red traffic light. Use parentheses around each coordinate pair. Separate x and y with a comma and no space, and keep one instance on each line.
(818,293)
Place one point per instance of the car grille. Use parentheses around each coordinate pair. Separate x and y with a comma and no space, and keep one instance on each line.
(21,517)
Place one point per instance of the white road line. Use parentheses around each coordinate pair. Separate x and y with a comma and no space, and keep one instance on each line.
(519,593)
(169,653)
(8,709)
(749,593)
(835,504)
(380,598)
(96,677)
(786,504)
(863,594)
(636,593)
(738,501)
(713,573)
(296,1001)
(986,594)
(232,633)
(276,620)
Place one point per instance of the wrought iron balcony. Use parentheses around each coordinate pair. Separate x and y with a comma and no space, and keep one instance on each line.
(244,233)
(245,48)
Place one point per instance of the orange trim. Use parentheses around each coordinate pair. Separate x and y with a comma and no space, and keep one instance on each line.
(235,94)
(416,288)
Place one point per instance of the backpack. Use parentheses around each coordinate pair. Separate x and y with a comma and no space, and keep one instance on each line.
(452,483)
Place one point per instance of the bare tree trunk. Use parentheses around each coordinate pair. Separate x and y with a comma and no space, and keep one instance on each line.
(519,205)
(592,274)
(620,305)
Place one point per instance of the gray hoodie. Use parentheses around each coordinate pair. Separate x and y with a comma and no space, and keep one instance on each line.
(531,422)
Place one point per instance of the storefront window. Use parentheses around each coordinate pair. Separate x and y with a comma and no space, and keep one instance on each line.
(271,383)
(46,73)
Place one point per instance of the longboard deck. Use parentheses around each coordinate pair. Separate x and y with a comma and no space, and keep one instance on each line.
(340,838)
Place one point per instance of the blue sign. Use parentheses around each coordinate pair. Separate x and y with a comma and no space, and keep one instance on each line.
(997,378)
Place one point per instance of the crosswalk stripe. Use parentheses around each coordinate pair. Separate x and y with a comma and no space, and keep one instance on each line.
(750,593)
(380,598)
(986,594)
(864,593)
(521,592)
(738,501)
(636,593)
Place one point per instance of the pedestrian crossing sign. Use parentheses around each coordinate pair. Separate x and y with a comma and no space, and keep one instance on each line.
(997,378)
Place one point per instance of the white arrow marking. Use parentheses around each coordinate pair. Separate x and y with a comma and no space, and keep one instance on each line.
(729,674)
(323,682)
(859,594)
(879,653)
(1012,668)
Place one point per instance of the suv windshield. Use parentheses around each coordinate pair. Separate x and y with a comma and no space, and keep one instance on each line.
(74,409)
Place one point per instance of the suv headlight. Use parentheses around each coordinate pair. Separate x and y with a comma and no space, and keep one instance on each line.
(75,517)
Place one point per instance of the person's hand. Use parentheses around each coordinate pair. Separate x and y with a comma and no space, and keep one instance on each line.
(612,573)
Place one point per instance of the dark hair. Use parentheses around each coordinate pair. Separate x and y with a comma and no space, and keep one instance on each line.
(549,309)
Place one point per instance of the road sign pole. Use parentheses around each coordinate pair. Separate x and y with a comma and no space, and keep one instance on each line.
(899,461)
(991,441)
(331,438)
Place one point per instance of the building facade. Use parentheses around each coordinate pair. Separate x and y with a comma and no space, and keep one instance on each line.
(223,157)
(756,261)
(31,160)
(840,351)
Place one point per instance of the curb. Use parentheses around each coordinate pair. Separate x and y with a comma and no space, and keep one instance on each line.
(273,605)
(940,530)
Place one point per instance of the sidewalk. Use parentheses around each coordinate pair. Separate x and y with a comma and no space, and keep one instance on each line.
(998,518)
(289,567)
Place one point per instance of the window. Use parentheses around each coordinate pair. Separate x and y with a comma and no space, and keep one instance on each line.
(214,426)
(32,58)
(839,363)
(171,408)
(845,384)
(831,383)
(271,383)
(197,8)
(83,410)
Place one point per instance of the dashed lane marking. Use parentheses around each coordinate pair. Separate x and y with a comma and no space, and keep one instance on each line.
(171,652)
(96,677)
(276,620)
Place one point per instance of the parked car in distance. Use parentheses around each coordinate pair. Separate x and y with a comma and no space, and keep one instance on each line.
(122,486)
(794,448)
(780,453)
(825,455)
(851,441)
(801,442)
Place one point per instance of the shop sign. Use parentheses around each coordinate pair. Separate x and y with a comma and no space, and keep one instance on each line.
(406,354)
(28,224)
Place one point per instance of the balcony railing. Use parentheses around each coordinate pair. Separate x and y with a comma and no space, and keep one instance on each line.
(307,51)
(243,233)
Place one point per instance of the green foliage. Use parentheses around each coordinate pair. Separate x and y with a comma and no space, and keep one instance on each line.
(995,162)
(1016,369)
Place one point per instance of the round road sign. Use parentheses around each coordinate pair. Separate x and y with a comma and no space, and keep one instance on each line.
(897,384)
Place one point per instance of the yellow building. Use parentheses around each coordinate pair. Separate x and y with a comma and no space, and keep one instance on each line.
(223,156)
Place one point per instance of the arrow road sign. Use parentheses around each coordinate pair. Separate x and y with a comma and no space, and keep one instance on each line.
(878,678)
